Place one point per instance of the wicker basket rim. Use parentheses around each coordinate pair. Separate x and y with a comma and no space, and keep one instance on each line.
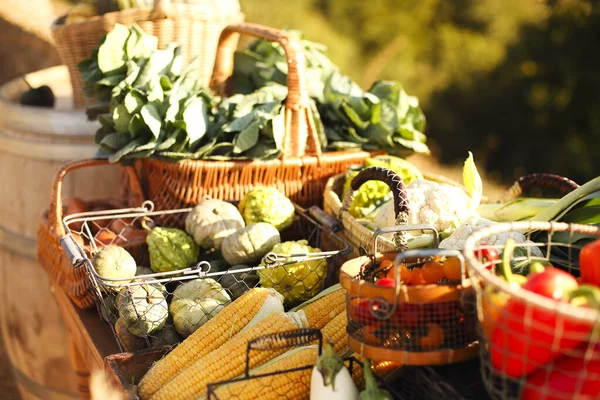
(490,279)
(179,10)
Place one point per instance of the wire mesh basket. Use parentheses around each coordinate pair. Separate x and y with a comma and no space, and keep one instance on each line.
(162,308)
(414,307)
(286,377)
(538,325)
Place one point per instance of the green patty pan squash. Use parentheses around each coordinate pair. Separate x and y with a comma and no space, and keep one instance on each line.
(114,262)
(171,249)
(264,204)
(299,281)
(195,302)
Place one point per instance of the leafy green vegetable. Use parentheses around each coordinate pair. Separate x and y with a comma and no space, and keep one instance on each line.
(385,117)
(152,104)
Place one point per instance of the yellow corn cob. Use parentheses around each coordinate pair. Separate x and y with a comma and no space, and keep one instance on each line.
(288,385)
(228,361)
(218,330)
(321,311)
(357,373)
(335,330)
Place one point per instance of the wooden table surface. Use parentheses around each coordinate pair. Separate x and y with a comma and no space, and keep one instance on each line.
(91,338)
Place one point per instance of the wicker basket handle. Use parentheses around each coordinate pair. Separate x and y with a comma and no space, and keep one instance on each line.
(400,197)
(300,133)
(539,180)
(55,211)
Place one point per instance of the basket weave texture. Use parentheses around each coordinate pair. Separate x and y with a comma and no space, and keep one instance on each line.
(195,27)
(301,172)
(73,281)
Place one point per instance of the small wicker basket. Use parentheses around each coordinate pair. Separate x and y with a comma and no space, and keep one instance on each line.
(195,27)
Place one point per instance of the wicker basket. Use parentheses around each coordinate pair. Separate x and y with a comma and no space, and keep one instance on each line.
(73,281)
(533,346)
(357,234)
(195,27)
(360,236)
(300,173)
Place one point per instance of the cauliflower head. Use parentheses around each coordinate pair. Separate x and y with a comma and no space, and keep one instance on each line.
(441,205)
(456,241)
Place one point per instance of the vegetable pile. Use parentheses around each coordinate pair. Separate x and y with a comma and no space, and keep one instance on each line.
(150,104)
(554,355)
(241,248)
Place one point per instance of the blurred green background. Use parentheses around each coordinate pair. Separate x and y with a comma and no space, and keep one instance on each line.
(514,81)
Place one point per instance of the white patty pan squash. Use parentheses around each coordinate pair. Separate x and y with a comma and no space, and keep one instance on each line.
(114,262)
(195,302)
(250,244)
(143,308)
(211,221)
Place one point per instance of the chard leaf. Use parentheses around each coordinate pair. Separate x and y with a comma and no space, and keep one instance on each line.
(278,128)
(137,127)
(239,124)
(151,118)
(133,101)
(155,91)
(111,53)
(130,147)
(157,64)
(196,121)
(246,139)
(353,116)
(114,141)
(585,215)
(121,118)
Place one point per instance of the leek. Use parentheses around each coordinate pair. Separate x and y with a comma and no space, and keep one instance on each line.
(581,206)
(515,210)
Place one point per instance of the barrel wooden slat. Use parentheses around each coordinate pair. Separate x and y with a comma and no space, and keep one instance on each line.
(34,143)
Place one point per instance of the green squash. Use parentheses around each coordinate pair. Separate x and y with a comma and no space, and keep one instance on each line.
(171,249)
(265,204)
(239,283)
(250,244)
(128,341)
(167,336)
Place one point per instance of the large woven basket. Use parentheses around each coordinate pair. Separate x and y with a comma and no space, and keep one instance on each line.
(195,27)
(361,237)
(50,255)
(301,172)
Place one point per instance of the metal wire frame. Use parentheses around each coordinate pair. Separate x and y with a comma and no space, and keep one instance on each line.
(100,285)
(567,332)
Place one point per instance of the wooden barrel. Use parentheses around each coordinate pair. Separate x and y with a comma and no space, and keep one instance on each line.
(34,143)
